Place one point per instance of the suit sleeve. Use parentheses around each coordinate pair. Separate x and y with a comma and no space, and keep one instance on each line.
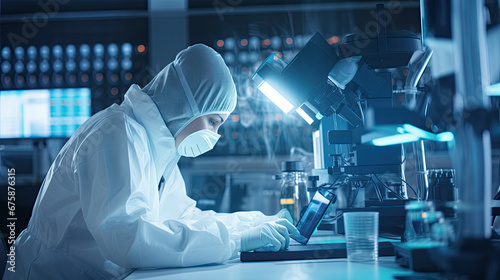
(175,202)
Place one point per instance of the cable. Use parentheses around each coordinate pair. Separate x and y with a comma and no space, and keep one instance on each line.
(361,112)
(417,193)
(331,185)
(377,190)
(389,189)
(333,219)
(404,159)
(322,186)
(344,160)
(355,196)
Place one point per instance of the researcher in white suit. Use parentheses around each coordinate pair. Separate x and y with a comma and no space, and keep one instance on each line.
(99,213)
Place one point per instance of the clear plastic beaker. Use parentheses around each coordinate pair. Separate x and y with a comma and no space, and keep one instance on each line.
(361,233)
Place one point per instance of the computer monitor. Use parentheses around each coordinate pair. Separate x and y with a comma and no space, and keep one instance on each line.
(43,113)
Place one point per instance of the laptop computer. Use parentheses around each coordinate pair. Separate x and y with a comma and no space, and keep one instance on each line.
(299,249)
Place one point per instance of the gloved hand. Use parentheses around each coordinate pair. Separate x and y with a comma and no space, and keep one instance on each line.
(282,214)
(274,233)
(344,71)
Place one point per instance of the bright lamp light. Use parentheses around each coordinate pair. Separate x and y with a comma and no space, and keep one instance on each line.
(275,97)
(404,134)
(394,139)
(493,90)
(305,116)
(446,136)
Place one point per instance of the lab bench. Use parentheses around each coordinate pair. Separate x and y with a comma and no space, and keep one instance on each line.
(334,268)
(384,268)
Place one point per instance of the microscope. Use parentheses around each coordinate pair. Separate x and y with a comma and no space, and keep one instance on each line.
(347,92)
(365,123)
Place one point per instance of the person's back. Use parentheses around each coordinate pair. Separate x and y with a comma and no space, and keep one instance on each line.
(57,232)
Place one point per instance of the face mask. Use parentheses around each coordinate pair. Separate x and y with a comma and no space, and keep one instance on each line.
(198,143)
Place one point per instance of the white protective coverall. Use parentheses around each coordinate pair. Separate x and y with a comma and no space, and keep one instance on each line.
(99,214)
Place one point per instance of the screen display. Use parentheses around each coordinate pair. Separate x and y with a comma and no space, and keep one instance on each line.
(41,113)
(314,214)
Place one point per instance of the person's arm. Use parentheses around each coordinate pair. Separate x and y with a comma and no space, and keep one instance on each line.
(238,221)
(119,199)
(256,217)
(175,203)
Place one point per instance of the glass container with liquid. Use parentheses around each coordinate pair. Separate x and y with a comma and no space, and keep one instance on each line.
(294,196)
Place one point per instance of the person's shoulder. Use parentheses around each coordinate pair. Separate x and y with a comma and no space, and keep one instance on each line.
(106,119)
(115,113)
(113,116)
(125,120)
(110,123)
(110,129)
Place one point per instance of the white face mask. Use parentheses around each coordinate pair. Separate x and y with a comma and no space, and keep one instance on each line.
(198,143)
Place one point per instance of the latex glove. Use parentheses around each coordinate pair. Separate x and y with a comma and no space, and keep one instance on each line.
(282,214)
(275,234)
(344,71)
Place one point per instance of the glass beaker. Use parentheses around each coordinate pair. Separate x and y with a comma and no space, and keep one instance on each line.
(416,225)
(294,196)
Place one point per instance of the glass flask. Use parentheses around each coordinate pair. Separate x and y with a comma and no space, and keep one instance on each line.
(417,226)
(294,196)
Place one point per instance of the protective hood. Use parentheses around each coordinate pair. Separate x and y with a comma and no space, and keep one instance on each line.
(196,83)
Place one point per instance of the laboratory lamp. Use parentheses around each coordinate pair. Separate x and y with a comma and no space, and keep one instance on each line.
(303,85)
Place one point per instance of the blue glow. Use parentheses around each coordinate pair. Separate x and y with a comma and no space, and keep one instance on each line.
(275,97)
(305,116)
(441,137)
(419,132)
(394,139)
(493,90)
(319,116)
(446,136)
(384,136)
